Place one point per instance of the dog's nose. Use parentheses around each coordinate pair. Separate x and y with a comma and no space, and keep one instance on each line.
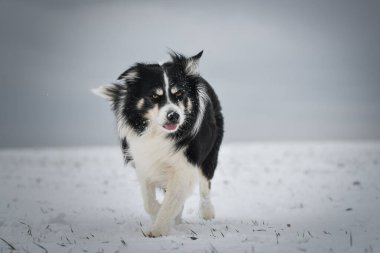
(173,117)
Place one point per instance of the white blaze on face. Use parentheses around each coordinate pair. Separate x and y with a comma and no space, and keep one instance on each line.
(169,107)
(166,83)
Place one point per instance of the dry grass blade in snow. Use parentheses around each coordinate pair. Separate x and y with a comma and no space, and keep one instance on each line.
(289,197)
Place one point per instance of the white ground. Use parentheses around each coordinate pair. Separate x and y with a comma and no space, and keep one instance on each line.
(305,197)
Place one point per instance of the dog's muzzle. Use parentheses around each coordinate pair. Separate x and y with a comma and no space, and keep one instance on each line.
(172,121)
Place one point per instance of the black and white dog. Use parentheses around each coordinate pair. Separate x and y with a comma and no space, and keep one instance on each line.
(171,126)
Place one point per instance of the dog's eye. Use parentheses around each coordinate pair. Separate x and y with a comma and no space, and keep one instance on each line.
(154,96)
(178,94)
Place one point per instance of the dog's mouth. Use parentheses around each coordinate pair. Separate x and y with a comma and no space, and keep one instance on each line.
(171,127)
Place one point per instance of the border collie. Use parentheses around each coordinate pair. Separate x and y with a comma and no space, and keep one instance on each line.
(170,126)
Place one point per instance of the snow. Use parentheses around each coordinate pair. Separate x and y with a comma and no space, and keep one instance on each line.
(268,197)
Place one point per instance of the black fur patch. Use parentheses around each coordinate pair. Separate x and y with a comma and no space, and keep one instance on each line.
(142,80)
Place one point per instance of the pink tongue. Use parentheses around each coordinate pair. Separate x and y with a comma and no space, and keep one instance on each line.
(170,126)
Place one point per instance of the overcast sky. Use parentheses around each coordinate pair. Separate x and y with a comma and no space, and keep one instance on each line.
(284,70)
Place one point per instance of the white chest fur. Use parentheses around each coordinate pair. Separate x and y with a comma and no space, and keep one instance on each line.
(156,158)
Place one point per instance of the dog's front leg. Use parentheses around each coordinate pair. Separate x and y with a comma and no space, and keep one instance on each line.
(178,189)
(178,218)
(151,204)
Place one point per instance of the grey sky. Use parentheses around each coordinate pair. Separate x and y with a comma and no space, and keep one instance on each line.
(284,70)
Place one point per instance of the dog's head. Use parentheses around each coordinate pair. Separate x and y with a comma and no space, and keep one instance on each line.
(169,97)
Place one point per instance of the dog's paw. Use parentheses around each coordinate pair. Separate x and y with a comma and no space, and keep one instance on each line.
(153,233)
(207,211)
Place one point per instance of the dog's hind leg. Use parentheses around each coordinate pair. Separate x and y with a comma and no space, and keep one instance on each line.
(206,209)
(207,172)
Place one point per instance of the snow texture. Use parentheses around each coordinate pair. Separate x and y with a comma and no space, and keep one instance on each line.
(268,197)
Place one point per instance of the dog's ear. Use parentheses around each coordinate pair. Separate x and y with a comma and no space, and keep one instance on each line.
(112,92)
(197,56)
(109,91)
(192,64)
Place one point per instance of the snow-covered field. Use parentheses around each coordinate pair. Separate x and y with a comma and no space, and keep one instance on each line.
(269,197)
